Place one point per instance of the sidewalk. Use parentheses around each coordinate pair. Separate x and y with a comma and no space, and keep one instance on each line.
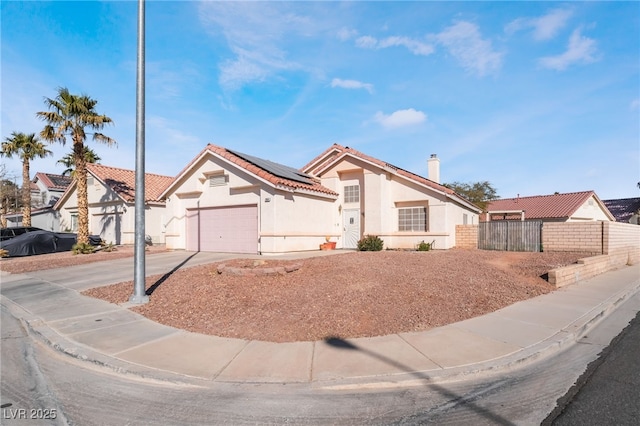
(50,305)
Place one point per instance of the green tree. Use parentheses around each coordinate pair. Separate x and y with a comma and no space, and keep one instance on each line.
(8,195)
(68,116)
(479,193)
(27,147)
(69,162)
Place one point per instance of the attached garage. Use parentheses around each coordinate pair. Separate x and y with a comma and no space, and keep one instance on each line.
(223,229)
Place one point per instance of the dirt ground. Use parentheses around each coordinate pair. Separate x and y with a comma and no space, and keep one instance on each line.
(346,295)
(20,265)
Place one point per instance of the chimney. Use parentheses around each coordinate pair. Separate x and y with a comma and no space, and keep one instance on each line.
(433,167)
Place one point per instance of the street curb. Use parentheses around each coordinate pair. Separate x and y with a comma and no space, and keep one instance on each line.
(46,335)
(520,358)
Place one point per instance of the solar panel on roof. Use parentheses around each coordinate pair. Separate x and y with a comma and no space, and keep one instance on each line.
(276,169)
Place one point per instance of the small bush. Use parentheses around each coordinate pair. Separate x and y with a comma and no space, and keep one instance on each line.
(423,246)
(82,248)
(108,247)
(370,243)
(4,253)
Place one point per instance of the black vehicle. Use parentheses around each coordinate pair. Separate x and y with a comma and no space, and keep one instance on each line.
(8,233)
(42,242)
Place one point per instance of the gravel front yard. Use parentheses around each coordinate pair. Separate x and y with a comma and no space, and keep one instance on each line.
(345,295)
(21,265)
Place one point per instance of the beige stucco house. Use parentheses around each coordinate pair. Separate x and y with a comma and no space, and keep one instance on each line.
(111,196)
(233,202)
(399,206)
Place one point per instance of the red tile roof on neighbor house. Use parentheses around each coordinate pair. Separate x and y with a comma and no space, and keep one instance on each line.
(335,152)
(255,169)
(123,182)
(53,182)
(556,206)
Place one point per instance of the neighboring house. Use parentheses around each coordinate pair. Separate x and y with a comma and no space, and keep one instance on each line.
(625,210)
(569,207)
(44,217)
(111,196)
(49,188)
(228,201)
(46,189)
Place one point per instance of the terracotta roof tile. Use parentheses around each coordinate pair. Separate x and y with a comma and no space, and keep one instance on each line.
(122,182)
(335,151)
(267,175)
(556,206)
(52,181)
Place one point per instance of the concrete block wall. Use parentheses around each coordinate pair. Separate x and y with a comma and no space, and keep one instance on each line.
(588,267)
(584,237)
(466,236)
(617,235)
(620,247)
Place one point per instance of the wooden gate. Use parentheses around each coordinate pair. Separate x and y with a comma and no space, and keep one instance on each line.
(508,235)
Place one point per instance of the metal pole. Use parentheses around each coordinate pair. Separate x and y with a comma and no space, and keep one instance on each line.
(139,295)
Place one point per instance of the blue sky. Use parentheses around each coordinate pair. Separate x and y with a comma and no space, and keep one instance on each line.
(534,97)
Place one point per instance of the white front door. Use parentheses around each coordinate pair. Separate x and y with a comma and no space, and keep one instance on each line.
(351,228)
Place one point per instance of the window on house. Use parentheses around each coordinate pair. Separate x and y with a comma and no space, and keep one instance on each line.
(218,180)
(465,219)
(412,219)
(74,223)
(352,194)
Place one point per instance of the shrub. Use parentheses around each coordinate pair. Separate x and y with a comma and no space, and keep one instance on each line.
(423,246)
(4,253)
(370,243)
(82,248)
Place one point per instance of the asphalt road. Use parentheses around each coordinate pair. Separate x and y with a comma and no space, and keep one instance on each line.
(609,391)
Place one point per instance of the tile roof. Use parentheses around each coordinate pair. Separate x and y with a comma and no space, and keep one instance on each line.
(123,182)
(624,208)
(55,182)
(255,169)
(335,151)
(556,206)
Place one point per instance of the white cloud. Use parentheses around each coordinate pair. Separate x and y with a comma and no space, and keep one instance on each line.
(465,43)
(635,104)
(400,118)
(367,42)
(256,33)
(345,34)
(414,46)
(545,27)
(351,84)
(580,50)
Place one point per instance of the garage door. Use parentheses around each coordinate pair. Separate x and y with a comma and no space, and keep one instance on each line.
(223,229)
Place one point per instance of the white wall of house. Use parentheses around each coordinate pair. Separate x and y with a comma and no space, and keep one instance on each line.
(382,196)
(287,221)
(110,217)
(590,210)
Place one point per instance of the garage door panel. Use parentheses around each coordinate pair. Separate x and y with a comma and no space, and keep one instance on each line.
(225,229)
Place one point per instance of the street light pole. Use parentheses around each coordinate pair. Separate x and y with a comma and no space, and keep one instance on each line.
(139,295)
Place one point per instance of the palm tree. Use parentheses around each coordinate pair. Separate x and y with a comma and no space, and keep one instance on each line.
(68,161)
(69,115)
(27,147)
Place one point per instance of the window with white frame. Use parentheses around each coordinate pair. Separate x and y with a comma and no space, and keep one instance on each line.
(412,219)
(74,222)
(352,194)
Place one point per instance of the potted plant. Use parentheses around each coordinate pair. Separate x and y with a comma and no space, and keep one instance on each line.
(328,245)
